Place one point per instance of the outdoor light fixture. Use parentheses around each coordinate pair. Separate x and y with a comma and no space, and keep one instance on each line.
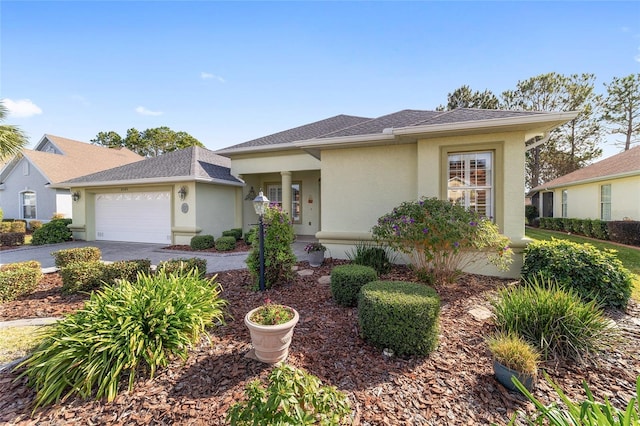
(260,204)
(251,195)
(75,196)
(183,192)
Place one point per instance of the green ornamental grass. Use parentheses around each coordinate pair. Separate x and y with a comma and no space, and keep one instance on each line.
(123,330)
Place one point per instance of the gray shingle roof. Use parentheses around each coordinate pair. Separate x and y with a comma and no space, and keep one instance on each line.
(471,114)
(193,162)
(404,118)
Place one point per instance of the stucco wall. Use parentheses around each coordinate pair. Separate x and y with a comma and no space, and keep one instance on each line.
(273,162)
(215,209)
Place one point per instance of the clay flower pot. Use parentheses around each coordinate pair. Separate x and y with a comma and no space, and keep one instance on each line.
(271,342)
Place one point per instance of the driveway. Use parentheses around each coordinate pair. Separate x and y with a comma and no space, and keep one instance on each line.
(112,251)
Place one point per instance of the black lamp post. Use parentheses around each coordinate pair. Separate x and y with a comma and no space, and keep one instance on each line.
(260,204)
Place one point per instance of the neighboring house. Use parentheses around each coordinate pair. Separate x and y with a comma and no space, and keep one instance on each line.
(606,190)
(166,199)
(27,181)
(337,176)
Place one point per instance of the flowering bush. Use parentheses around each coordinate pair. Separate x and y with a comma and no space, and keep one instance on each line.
(278,254)
(314,247)
(272,314)
(441,238)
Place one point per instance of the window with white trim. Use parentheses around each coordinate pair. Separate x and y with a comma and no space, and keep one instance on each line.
(565,198)
(28,202)
(274,194)
(605,202)
(470,181)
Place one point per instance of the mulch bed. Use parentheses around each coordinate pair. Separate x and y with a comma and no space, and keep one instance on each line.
(454,385)
(241,247)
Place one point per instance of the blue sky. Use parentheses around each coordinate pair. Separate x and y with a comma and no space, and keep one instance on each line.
(228,72)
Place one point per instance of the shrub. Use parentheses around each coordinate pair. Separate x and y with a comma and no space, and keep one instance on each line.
(442,238)
(182,266)
(53,232)
(34,225)
(594,274)
(12,239)
(58,216)
(378,257)
(5,227)
(599,229)
(278,254)
(83,276)
(530,212)
(123,330)
(401,316)
(624,232)
(127,270)
(1,214)
(226,243)
(202,242)
(74,255)
(292,397)
(587,227)
(553,319)
(251,235)
(235,233)
(346,281)
(17,279)
(18,226)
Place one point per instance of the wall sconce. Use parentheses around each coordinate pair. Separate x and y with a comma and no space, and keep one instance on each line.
(310,200)
(183,192)
(251,195)
(75,196)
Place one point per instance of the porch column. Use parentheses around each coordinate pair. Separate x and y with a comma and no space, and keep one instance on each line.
(286,192)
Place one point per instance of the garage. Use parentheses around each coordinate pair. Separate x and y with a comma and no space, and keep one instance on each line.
(134,216)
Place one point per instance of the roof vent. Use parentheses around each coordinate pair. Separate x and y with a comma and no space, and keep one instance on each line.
(387,131)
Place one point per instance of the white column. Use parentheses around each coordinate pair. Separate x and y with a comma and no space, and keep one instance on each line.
(286,192)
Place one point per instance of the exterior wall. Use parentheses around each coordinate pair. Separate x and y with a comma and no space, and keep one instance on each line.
(583,201)
(215,210)
(297,160)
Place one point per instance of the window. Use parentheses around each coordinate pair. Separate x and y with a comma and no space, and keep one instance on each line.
(605,202)
(274,194)
(470,181)
(564,202)
(28,201)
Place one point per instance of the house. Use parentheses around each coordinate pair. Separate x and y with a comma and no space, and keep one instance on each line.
(606,190)
(27,181)
(337,176)
(166,199)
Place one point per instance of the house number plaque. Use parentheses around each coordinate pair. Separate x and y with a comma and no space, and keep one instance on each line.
(184,207)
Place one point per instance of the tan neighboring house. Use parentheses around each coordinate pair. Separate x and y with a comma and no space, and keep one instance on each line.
(28,181)
(337,176)
(166,199)
(606,190)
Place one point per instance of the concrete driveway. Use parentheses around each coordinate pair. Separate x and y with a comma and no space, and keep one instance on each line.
(112,251)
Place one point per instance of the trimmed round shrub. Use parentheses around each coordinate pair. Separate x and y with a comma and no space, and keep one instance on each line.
(182,266)
(83,276)
(594,274)
(127,269)
(18,226)
(74,255)
(124,330)
(553,319)
(401,316)
(17,279)
(226,243)
(5,227)
(53,232)
(235,233)
(202,242)
(347,280)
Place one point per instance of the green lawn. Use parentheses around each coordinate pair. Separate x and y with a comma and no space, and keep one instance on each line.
(630,257)
(16,342)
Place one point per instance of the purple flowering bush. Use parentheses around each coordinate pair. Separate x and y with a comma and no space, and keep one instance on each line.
(441,238)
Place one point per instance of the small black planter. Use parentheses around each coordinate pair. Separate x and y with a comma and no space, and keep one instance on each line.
(504,374)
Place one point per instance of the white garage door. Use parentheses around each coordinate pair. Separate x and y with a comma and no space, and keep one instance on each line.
(143,217)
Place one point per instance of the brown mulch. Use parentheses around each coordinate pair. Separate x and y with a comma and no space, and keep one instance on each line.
(240,247)
(454,385)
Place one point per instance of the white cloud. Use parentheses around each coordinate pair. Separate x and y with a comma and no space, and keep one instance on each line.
(21,107)
(143,111)
(209,76)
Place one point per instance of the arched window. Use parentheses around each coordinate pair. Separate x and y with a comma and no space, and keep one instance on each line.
(28,202)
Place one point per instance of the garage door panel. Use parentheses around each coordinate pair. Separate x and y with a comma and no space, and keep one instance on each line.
(135,216)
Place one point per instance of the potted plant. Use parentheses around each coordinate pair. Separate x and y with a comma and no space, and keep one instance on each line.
(271,328)
(316,253)
(513,356)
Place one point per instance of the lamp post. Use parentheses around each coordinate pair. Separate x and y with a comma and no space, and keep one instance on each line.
(260,204)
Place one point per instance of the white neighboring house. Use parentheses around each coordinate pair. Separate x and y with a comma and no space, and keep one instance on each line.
(25,181)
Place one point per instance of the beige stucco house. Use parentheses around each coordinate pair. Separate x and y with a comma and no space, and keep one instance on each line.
(337,176)
(606,190)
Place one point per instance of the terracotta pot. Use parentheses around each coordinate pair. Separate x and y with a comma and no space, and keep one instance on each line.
(316,258)
(504,374)
(271,342)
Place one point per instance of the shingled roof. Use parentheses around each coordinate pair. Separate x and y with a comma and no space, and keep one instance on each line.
(190,163)
(624,164)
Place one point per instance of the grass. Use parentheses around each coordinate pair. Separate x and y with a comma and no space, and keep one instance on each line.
(629,256)
(16,342)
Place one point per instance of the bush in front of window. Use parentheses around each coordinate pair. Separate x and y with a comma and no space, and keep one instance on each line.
(441,238)
(18,226)
(35,225)
(53,232)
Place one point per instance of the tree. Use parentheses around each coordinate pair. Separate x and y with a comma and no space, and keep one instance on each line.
(621,107)
(12,138)
(570,146)
(150,143)
(464,97)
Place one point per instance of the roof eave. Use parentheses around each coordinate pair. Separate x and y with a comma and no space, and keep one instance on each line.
(260,148)
(357,140)
(585,181)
